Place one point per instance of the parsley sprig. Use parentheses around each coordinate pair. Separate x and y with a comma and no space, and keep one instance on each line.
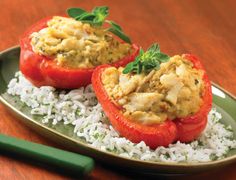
(97,18)
(146,61)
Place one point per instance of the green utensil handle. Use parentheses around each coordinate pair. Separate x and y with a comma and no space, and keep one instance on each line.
(65,160)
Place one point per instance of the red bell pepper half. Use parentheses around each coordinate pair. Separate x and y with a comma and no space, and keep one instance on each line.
(183,129)
(43,71)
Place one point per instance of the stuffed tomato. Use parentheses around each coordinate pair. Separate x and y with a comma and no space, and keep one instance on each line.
(156,99)
(63,51)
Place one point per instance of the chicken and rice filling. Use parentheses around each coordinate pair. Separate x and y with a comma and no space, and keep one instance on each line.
(173,91)
(75,44)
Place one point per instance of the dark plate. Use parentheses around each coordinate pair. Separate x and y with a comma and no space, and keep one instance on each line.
(223,102)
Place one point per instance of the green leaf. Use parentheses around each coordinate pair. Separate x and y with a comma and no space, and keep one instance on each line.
(128,68)
(85,17)
(154,47)
(163,57)
(100,15)
(134,66)
(115,25)
(75,12)
(97,18)
(139,68)
(120,34)
(101,10)
(117,30)
(146,61)
(141,52)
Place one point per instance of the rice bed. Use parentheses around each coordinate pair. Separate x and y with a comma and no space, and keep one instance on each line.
(80,108)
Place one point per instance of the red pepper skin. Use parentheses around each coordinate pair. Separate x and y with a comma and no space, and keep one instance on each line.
(190,127)
(43,71)
(184,129)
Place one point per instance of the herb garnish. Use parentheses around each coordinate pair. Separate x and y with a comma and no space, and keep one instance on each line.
(146,61)
(97,18)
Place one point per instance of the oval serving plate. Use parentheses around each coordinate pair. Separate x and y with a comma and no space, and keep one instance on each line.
(223,102)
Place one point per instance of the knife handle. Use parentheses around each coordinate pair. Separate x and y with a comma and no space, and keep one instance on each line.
(69,161)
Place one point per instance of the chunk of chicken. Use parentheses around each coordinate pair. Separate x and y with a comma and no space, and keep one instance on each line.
(142,101)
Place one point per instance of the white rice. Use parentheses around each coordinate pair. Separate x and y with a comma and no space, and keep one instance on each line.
(80,108)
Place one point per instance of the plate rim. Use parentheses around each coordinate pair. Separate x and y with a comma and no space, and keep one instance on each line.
(187,165)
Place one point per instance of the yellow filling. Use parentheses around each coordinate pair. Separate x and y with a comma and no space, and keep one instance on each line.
(77,45)
(173,91)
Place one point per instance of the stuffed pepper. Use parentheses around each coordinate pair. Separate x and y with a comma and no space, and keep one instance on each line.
(62,51)
(156,98)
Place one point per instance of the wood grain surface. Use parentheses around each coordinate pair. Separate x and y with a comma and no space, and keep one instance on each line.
(205,28)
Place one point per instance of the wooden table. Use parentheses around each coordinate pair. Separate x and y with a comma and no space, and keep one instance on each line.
(206,28)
